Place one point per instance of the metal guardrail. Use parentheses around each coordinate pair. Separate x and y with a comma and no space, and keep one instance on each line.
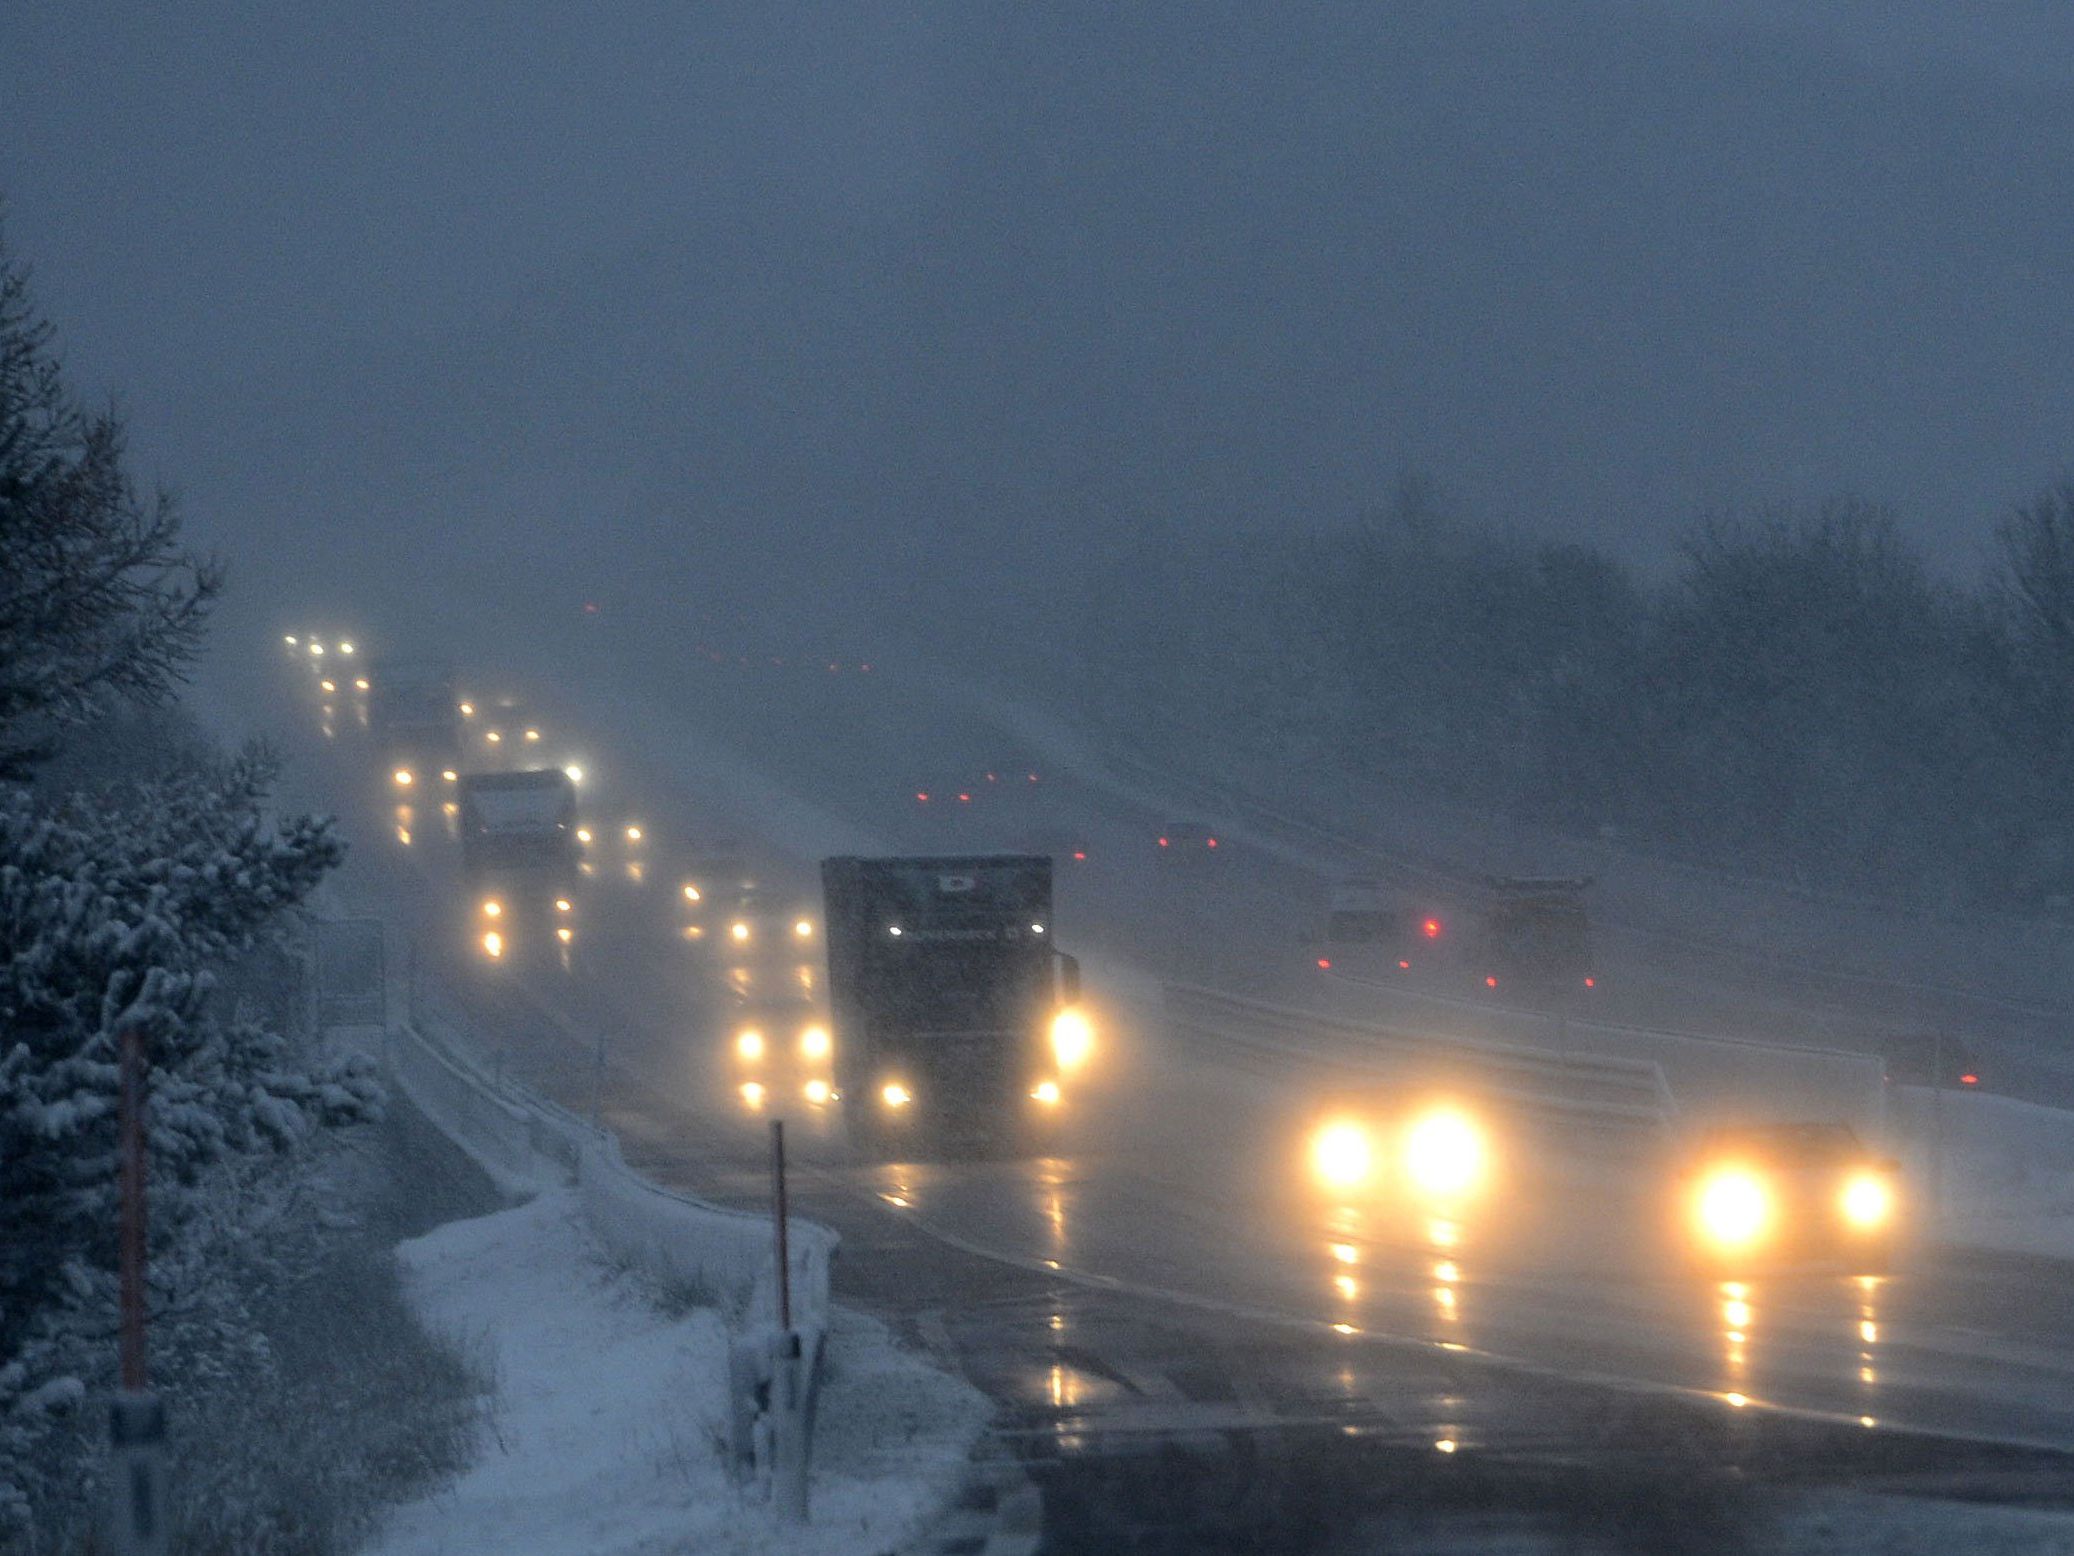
(1621,1096)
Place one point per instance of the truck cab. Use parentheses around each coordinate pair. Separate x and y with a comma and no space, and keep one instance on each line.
(955,1027)
(1537,933)
(412,720)
(520,854)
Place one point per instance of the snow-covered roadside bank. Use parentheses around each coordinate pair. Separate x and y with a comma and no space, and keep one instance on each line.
(607,1427)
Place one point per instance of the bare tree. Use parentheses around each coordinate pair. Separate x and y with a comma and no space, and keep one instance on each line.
(97,597)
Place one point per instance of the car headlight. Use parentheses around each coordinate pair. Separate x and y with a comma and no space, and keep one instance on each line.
(492,908)
(1867,1201)
(813,1042)
(1445,1152)
(749,1044)
(739,930)
(1734,1207)
(1046,1092)
(404,777)
(895,1095)
(1342,1155)
(493,943)
(1072,1038)
(803,928)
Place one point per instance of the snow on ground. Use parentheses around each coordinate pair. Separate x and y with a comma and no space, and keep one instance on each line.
(606,1429)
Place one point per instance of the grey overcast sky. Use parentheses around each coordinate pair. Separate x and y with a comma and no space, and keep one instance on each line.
(623,299)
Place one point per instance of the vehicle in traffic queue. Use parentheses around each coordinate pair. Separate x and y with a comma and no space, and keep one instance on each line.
(957,1024)
(1753,1197)
(413,725)
(1536,935)
(521,861)
(1187,842)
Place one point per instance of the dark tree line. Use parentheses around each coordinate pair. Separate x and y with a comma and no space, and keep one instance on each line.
(1802,696)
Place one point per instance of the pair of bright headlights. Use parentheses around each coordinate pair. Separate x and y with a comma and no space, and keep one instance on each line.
(1442,1152)
(1736,1208)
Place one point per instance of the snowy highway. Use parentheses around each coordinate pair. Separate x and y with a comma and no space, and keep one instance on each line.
(1169,1270)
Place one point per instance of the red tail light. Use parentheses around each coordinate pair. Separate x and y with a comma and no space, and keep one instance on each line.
(1212,842)
(1406,966)
(921,798)
(1079,853)
(964,799)
(1969,1080)
(1490,983)
(1325,962)
(1591,983)
(1162,842)
(1431,928)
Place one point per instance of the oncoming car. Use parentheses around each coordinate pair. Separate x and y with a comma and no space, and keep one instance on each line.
(1434,1153)
(1766,1195)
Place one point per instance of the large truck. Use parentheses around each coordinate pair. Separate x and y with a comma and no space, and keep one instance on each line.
(412,717)
(1536,933)
(956,1027)
(520,852)
(518,822)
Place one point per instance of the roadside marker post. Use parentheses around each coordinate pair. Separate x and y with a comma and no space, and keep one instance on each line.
(137,1420)
(790,1396)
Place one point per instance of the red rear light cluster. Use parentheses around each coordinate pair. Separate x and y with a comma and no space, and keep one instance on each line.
(1431,928)
(1325,962)
(1969,1080)
(1212,842)
(1490,982)
(921,798)
(1079,853)
(1591,983)
(1405,966)
(1162,842)
(964,799)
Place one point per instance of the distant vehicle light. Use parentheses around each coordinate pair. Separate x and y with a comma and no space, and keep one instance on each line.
(1734,1208)
(1490,981)
(1163,843)
(1033,777)
(814,1043)
(575,773)
(1325,964)
(691,892)
(493,943)
(564,933)
(1867,1201)
(739,929)
(1430,929)
(1072,1039)
(1445,1153)
(893,930)
(1079,853)
(494,737)
(291,640)
(583,834)
(1591,983)
(921,797)
(753,1093)
(1036,929)
(329,686)
(359,683)
(404,777)
(316,650)
(964,799)
(345,648)
(532,734)
(467,710)
(1210,842)
(1342,1154)
(804,928)
(492,908)
(562,905)
(1403,966)
(749,1044)
(1969,1080)
(895,1095)
(1047,1092)
(448,775)
(817,1091)
(633,834)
